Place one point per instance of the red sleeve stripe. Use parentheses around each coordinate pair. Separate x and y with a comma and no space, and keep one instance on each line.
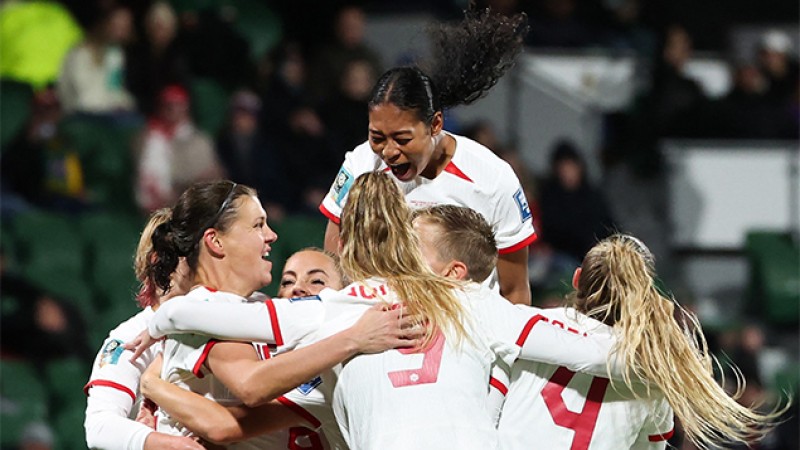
(528,241)
(497,384)
(526,330)
(331,216)
(111,384)
(661,437)
(197,370)
(300,411)
(273,318)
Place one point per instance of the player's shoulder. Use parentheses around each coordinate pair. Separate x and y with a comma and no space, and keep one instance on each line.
(475,155)
(131,327)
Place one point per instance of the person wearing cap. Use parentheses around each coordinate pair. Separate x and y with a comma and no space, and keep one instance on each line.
(172,153)
(779,65)
(250,154)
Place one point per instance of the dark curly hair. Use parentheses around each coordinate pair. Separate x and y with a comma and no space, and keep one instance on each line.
(469,57)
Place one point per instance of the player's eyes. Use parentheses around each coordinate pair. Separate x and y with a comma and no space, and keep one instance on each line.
(402,141)
(376,139)
(320,282)
(286,282)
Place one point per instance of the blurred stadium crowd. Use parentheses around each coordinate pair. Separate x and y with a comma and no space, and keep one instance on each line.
(110,109)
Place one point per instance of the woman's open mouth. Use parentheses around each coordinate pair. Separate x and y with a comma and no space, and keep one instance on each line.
(399,170)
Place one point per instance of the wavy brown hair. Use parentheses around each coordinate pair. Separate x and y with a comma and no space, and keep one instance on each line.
(378,241)
(617,287)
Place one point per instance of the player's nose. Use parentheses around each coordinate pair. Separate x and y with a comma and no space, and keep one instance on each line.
(299,291)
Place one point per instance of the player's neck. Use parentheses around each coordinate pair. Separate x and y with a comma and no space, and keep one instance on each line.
(442,155)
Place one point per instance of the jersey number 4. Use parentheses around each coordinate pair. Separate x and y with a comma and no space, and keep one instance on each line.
(581,423)
(428,373)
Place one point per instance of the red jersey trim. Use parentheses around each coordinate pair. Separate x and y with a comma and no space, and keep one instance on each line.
(661,437)
(520,246)
(273,318)
(497,384)
(300,411)
(197,370)
(526,330)
(453,169)
(111,384)
(331,216)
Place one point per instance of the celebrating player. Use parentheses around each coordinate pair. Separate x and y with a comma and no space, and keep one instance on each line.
(615,285)
(433,166)
(221,230)
(114,383)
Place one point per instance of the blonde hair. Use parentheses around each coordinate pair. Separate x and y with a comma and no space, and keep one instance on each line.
(148,295)
(617,287)
(465,237)
(378,241)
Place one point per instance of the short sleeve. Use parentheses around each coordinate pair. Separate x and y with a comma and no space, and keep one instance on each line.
(660,426)
(356,162)
(512,218)
(294,320)
(114,369)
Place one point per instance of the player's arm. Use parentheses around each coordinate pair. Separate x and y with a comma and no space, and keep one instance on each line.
(332,237)
(235,321)
(512,273)
(257,382)
(212,421)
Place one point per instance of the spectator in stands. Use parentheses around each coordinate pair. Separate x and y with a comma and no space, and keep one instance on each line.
(92,75)
(345,113)
(574,214)
(37,326)
(348,45)
(556,23)
(779,67)
(40,167)
(746,112)
(156,61)
(250,155)
(300,132)
(173,153)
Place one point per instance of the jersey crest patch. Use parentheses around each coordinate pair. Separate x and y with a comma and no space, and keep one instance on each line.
(341,185)
(111,352)
(522,205)
(302,299)
(306,388)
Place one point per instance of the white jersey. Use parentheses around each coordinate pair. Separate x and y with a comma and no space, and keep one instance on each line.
(113,389)
(475,178)
(557,409)
(437,399)
(277,326)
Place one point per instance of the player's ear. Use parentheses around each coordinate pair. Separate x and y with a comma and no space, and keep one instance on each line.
(437,123)
(211,240)
(576,277)
(456,270)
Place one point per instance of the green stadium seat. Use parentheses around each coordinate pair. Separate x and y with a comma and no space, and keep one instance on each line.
(23,399)
(68,427)
(209,104)
(255,22)
(15,108)
(48,243)
(774,289)
(64,379)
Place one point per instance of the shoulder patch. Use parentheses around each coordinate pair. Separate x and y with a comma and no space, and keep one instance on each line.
(306,388)
(111,352)
(341,186)
(522,205)
(302,299)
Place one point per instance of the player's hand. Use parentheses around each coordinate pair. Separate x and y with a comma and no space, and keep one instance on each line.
(140,344)
(160,441)
(151,376)
(147,413)
(382,328)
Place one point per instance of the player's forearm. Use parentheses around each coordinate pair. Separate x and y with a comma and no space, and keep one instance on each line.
(206,418)
(233,321)
(269,379)
(512,273)
(107,425)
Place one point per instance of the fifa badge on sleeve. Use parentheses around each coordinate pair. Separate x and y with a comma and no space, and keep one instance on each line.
(522,205)
(111,352)
(341,186)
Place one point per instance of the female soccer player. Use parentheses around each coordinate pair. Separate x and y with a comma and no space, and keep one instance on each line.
(114,383)
(431,397)
(616,285)
(221,230)
(433,166)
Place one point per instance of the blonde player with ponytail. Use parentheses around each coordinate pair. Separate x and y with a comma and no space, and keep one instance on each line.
(615,286)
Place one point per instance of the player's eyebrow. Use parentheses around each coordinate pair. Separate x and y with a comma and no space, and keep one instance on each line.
(313,271)
(290,272)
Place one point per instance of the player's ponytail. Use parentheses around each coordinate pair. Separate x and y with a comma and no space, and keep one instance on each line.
(379,241)
(145,254)
(617,287)
(166,256)
(469,57)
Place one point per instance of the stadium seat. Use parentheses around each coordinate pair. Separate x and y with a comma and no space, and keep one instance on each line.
(68,427)
(209,104)
(255,22)
(64,379)
(23,400)
(48,243)
(774,279)
(15,108)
